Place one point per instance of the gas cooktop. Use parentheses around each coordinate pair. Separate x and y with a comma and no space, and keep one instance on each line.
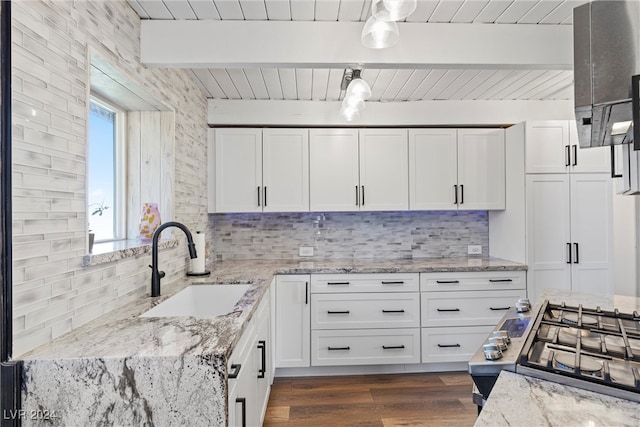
(587,348)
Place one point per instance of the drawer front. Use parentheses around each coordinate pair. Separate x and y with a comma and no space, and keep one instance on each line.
(354,311)
(365,347)
(349,283)
(466,308)
(452,344)
(473,281)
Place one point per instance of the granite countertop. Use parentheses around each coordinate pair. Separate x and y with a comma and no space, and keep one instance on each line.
(522,400)
(123,369)
(518,400)
(122,333)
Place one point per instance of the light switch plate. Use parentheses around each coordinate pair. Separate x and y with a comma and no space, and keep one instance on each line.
(474,249)
(305,251)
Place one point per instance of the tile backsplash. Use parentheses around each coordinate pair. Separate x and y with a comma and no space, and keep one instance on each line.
(349,234)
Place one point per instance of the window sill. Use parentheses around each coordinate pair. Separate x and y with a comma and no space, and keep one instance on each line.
(107,252)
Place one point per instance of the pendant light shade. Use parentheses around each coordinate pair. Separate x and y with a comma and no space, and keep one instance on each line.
(393,10)
(358,88)
(349,113)
(378,34)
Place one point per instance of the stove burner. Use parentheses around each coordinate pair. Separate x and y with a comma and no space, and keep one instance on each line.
(587,364)
(572,319)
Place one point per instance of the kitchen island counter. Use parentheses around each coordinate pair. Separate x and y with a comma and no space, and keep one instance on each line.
(122,368)
(517,399)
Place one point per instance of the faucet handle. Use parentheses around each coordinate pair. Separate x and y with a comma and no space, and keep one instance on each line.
(161,274)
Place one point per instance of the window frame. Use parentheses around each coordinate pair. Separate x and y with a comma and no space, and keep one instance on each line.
(120,167)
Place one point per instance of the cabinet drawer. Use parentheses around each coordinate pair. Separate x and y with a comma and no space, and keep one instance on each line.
(353,311)
(466,308)
(365,347)
(452,344)
(395,282)
(472,281)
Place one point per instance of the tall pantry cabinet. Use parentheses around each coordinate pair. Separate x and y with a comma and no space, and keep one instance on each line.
(568,208)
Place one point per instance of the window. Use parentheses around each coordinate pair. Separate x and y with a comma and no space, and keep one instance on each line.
(105,193)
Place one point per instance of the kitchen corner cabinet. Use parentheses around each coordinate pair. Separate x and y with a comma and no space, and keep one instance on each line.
(569,232)
(457,169)
(261,170)
(358,170)
(292,321)
(552,147)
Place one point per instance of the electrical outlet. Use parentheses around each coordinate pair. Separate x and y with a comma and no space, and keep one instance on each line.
(305,251)
(474,249)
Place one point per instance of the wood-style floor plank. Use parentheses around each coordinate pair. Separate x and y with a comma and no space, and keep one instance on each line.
(408,400)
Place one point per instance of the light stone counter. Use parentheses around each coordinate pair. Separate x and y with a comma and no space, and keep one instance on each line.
(122,369)
(518,400)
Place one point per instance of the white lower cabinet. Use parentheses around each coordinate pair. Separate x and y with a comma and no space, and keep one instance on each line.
(292,326)
(249,371)
(452,344)
(365,319)
(365,346)
(458,310)
(389,319)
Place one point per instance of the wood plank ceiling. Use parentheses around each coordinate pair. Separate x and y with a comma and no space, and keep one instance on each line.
(389,84)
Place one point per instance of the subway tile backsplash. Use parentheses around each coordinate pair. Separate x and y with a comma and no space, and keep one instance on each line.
(349,234)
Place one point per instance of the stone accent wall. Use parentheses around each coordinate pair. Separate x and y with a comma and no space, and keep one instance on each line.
(53,293)
(349,234)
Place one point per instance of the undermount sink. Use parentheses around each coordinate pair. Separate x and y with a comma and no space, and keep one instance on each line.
(200,301)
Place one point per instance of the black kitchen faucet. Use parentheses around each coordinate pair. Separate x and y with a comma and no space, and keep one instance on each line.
(156,275)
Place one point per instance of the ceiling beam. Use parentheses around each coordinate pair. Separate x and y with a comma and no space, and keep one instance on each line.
(225,112)
(298,44)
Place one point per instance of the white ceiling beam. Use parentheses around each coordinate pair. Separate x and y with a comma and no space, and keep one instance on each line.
(418,113)
(295,44)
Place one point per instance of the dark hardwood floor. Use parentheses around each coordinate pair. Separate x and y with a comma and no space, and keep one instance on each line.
(430,399)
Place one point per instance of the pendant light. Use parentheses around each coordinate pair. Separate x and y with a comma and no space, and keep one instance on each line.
(393,10)
(379,34)
(358,88)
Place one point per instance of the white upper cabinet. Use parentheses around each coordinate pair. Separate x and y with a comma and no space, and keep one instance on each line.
(285,170)
(587,160)
(481,169)
(433,169)
(460,169)
(552,147)
(238,174)
(260,170)
(333,169)
(384,176)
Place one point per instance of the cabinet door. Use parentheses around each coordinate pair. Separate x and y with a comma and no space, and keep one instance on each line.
(333,167)
(238,170)
(547,148)
(245,404)
(433,169)
(592,233)
(285,175)
(211,170)
(293,321)
(587,160)
(548,233)
(481,169)
(263,357)
(384,175)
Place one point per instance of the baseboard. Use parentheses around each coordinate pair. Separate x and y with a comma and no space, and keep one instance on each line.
(316,371)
